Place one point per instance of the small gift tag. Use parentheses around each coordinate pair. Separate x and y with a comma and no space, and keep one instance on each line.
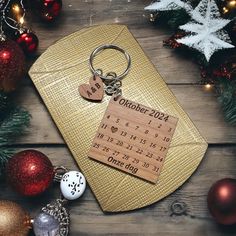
(133,138)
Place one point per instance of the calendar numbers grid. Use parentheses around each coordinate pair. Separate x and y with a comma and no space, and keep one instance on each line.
(135,162)
(133,138)
(141,129)
(137,141)
(127,148)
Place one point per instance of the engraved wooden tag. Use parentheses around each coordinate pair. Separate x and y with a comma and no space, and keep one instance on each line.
(94,90)
(133,138)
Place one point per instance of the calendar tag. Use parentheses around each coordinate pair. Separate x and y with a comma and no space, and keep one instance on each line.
(133,138)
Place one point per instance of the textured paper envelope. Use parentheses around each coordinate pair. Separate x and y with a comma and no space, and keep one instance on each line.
(57,75)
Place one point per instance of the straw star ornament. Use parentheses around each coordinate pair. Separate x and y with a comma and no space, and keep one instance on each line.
(206,28)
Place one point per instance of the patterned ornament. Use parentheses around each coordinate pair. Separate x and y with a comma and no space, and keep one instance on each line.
(168,5)
(30,172)
(207,35)
(72,185)
(14,220)
(12,64)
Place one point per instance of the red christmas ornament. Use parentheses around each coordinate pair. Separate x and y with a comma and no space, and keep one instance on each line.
(28,41)
(49,10)
(12,65)
(30,172)
(222,201)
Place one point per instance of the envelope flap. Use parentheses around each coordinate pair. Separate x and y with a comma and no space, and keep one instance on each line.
(74,49)
(64,66)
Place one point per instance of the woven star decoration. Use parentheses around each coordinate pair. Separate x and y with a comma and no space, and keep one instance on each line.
(167,5)
(206,31)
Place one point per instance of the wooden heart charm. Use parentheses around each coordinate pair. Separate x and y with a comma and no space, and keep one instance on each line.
(94,90)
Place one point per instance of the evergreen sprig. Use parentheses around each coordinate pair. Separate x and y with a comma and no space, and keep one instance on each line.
(13,122)
(5,154)
(227,98)
(4,100)
(174,18)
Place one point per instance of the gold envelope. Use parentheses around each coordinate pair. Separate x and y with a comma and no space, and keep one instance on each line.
(64,66)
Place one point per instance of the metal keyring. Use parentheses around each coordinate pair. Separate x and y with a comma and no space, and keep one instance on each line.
(106,77)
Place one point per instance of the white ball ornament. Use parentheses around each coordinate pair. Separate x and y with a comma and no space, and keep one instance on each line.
(72,185)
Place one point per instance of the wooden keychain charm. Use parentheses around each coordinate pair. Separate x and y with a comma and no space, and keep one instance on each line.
(93,91)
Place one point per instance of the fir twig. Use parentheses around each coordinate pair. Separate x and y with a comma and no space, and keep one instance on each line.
(4,101)
(5,154)
(174,18)
(13,121)
(13,124)
(227,99)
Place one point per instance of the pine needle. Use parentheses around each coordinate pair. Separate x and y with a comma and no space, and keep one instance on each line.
(13,122)
(13,125)
(5,155)
(227,98)
(4,102)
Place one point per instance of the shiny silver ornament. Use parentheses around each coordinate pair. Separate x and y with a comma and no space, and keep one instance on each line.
(60,213)
(46,225)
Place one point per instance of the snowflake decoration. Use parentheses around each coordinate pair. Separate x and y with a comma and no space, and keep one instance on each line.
(167,5)
(207,35)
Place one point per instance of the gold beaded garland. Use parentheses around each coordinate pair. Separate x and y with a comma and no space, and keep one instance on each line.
(14,220)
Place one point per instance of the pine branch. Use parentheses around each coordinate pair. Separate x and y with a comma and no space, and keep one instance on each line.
(4,102)
(13,121)
(13,124)
(173,18)
(227,98)
(5,154)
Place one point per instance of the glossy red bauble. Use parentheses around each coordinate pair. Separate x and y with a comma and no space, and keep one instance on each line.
(30,172)
(12,65)
(28,41)
(222,201)
(49,10)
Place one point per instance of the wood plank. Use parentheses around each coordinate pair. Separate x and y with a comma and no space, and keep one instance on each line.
(201,106)
(88,219)
(79,14)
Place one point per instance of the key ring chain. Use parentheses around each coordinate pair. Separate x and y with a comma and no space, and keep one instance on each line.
(107,76)
(112,81)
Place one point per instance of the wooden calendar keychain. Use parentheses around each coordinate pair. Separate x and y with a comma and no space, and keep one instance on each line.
(131,137)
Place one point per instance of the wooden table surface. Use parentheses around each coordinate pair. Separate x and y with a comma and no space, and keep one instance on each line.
(182,76)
